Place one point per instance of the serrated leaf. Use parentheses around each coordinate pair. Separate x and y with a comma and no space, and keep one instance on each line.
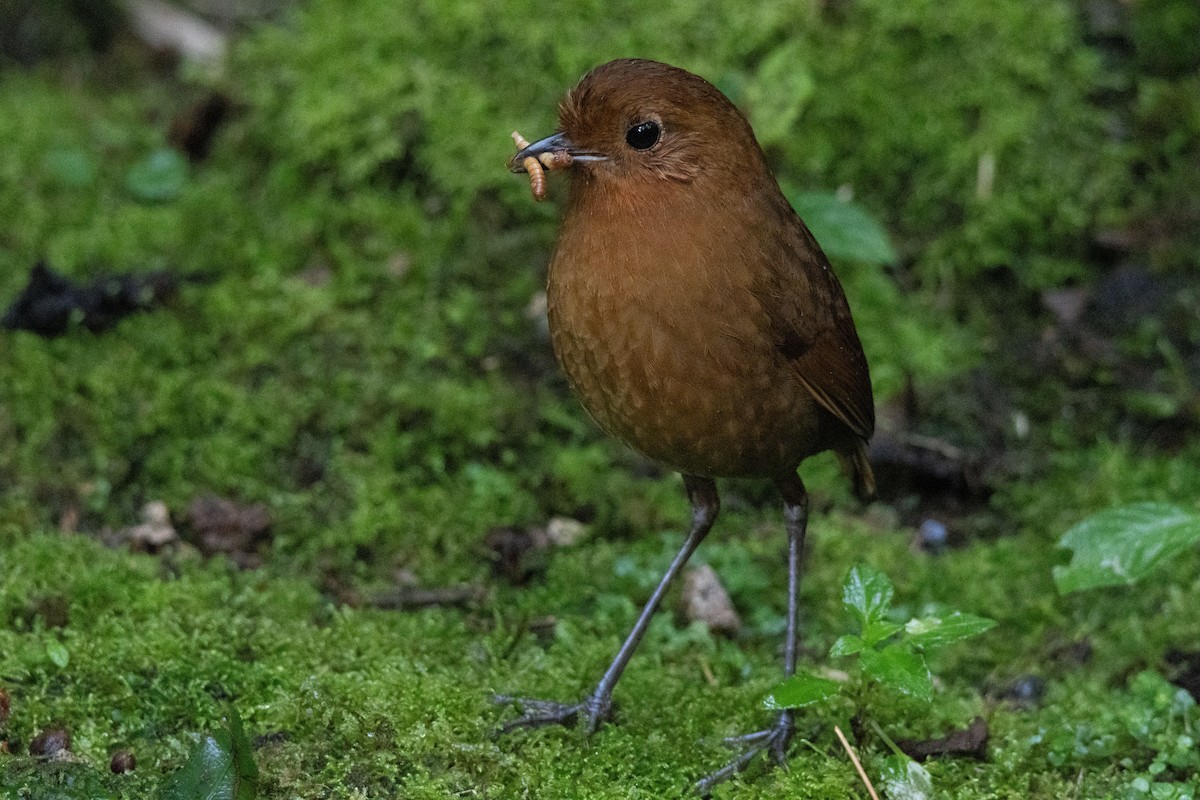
(905,779)
(159,177)
(58,654)
(800,690)
(1120,545)
(847,645)
(933,632)
(900,669)
(843,228)
(867,592)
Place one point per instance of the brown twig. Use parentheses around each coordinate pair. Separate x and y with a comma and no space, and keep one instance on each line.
(862,773)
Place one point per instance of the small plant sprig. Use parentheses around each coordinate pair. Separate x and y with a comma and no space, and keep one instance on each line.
(889,654)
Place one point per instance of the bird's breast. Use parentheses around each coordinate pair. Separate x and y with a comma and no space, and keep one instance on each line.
(668,349)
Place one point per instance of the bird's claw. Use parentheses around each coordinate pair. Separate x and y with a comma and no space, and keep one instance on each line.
(774,739)
(539,713)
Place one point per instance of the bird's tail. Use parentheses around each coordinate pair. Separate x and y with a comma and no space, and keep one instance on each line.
(856,465)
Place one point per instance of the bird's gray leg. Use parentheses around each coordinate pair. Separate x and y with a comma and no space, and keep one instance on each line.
(777,737)
(702,493)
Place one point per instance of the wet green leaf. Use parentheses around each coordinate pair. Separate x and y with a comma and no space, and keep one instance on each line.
(867,592)
(220,767)
(878,631)
(900,669)
(905,779)
(933,632)
(847,645)
(58,654)
(844,229)
(802,689)
(1119,546)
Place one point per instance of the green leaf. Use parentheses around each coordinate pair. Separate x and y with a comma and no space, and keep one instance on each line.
(802,689)
(898,668)
(1120,545)
(71,167)
(220,767)
(867,592)
(58,654)
(847,645)
(933,632)
(158,178)
(844,229)
(905,779)
(877,631)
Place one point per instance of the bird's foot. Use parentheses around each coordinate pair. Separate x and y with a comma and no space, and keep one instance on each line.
(774,740)
(539,713)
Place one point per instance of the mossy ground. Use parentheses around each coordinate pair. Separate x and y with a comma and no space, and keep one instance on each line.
(363,362)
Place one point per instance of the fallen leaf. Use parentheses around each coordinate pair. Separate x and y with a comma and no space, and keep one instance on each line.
(968,741)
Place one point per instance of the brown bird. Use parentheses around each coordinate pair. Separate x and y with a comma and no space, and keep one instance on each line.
(697,320)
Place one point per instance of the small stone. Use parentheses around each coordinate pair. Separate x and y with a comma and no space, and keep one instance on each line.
(50,743)
(933,535)
(517,554)
(223,526)
(155,531)
(565,531)
(705,600)
(123,761)
(1024,692)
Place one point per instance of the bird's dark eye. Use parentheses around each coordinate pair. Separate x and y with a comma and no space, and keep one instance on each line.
(643,135)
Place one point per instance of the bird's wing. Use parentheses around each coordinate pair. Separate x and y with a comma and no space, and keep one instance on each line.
(817,336)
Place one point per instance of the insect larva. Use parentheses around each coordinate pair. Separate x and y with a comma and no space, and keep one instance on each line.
(537,175)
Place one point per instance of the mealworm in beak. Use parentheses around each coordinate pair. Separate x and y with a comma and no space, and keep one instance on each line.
(537,175)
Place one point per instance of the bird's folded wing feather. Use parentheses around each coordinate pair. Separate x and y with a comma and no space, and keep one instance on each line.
(818,339)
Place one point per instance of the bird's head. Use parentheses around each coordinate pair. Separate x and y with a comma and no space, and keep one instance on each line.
(637,122)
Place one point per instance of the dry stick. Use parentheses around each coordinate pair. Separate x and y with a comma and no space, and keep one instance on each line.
(862,773)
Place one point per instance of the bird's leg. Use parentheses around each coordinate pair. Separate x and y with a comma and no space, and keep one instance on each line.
(777,737)
(702,493)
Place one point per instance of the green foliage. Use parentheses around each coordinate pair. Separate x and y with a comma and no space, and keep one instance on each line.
(905,779)
(37,779)
(845,229)
(1152,731)
(160,177)
(220,767)
(800,691)
(1013,98)
(73,167)
(893,662)
(1119,546)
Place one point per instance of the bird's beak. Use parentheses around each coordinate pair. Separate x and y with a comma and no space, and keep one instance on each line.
(554,152)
